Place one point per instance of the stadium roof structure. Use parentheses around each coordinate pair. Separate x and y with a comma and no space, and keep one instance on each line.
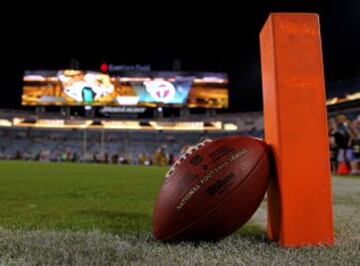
(120,124)
(343,91)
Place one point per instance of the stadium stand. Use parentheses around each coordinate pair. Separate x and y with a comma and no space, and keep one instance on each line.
(26,136)
(50,137)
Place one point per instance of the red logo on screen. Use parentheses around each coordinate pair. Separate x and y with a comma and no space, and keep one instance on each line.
(160,90)
(104,67)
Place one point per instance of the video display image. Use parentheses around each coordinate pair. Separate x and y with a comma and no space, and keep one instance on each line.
(147,89)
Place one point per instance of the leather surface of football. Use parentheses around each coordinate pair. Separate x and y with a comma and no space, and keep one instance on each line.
(212,189)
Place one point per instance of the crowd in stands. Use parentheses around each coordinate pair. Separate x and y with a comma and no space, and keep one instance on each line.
(344,137)
(154,148)
(112,147)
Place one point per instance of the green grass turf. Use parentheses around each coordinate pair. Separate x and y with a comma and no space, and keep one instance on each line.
(111,198)
(88,214)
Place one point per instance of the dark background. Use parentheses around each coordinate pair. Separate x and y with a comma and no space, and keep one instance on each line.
(219,36)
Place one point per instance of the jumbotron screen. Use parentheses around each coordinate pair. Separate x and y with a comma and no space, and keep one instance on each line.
(146,89)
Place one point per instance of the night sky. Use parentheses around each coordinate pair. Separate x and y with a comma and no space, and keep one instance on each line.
(205,37)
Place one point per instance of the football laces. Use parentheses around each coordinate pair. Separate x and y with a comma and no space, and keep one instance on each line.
(186,154)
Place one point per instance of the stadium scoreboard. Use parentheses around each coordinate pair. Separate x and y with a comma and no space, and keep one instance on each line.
(144,89)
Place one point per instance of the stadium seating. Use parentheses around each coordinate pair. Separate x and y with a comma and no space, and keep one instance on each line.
(130,144)
(29,141)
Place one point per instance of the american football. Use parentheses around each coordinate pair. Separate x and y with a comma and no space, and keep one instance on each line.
(212,190)
(149,134)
